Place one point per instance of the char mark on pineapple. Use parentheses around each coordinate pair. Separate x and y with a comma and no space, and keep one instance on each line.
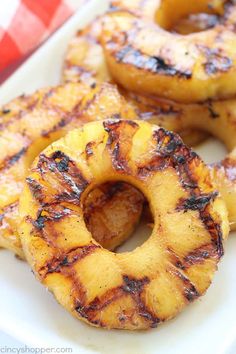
(12,160)
(154,64)
(65,262)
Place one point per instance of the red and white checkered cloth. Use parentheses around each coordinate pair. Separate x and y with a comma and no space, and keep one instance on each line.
(24,24)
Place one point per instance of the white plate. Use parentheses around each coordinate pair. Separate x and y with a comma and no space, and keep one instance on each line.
(31,315)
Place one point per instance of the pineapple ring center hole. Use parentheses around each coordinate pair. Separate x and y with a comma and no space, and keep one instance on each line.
(189,17)
(118,216)
(211,150)
(194,23)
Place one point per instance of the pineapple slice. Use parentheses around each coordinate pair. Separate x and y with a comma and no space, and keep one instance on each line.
(85,61)
(145,58)
(192,121)
(151,284)
(30,123)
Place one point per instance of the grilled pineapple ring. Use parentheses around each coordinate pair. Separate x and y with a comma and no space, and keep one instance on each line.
(215,117)
(30,123)
(189,120)
(144,57)
(194,17)
(132,290)
(85,62)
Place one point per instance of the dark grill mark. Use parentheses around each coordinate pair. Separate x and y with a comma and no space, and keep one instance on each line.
(172,146)
(12,160)
(175,259)
(67,173)
(64,262)
(16,157)
(62,165)
(114,130)
(199,255)
(202,204)
(64,121)
(89,149)
(93,85)
(190,292)
(39,223)
(91,311)
(170,152)
(25,104)
(215,61)
(35,188)
(161,66)
(64,117)
(220,64)
(131,286)
(215,231)
(51,214)
(6,111)
(99,304)
(144,312)
(181,159)
(197,202)
(134,287)
(8,209)
(168,143)
(212,112)
(76,190)
(92,100)
(119,162)
(156,164)
(112,127)
(62,161)
(154,64)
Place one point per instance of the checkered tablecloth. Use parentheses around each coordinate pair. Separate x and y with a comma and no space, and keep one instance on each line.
(24,24)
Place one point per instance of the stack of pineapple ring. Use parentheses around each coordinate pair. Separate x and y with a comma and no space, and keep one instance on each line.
(71,204)
(116,48)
